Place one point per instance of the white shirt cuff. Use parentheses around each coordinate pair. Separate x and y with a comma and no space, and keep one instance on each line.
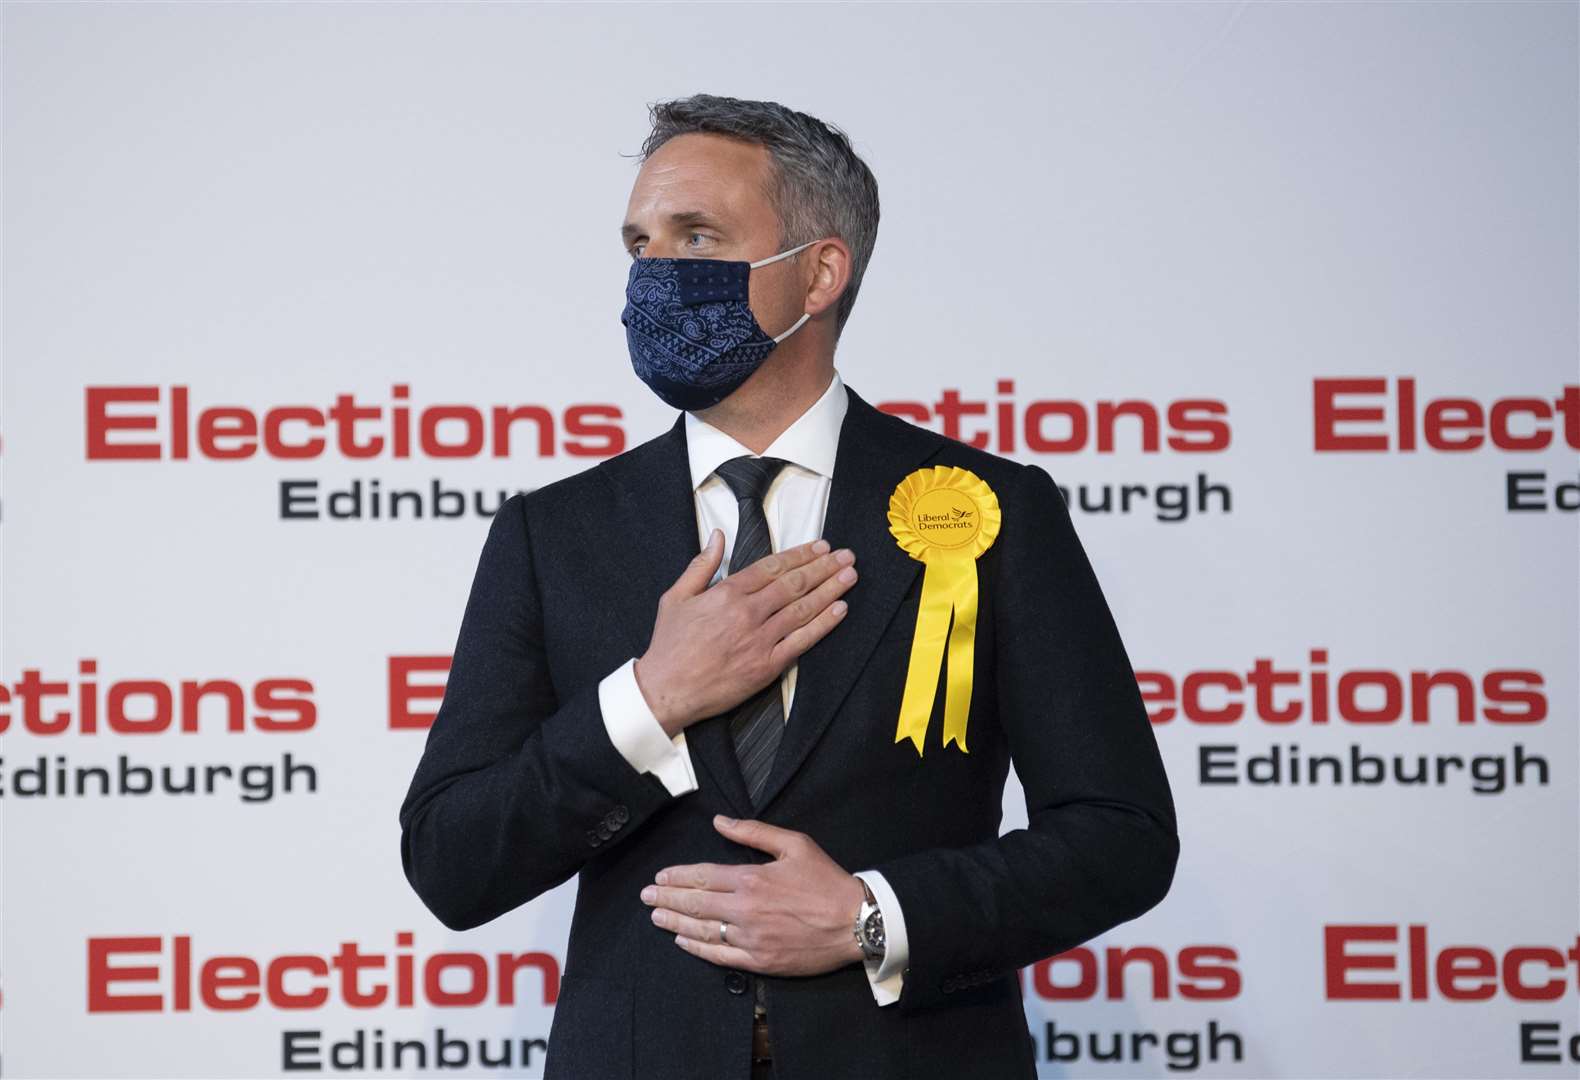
(887,976)
(639,737)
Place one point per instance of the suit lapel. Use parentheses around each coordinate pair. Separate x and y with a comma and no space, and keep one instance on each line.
(875,453)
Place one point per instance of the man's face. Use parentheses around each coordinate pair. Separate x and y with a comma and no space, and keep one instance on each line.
(706,196)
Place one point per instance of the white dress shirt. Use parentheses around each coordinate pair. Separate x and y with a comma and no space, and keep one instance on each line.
(794,505)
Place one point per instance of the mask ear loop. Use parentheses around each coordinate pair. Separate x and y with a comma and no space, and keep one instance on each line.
(793,327)
(775,258)
(783,254)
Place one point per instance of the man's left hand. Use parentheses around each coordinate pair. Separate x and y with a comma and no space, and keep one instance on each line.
(792,916)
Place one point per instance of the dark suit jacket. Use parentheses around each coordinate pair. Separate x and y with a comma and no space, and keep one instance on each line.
(519,786)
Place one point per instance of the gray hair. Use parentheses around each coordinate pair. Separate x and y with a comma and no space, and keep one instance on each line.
(819,186)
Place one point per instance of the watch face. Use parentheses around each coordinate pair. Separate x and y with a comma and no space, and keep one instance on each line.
(872,929)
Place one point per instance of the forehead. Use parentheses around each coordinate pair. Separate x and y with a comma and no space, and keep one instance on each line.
(704,172)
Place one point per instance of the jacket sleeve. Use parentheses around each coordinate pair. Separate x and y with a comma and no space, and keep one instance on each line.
(516,789)
(1101,842)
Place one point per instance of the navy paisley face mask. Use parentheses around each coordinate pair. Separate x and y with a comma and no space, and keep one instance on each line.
(692,335)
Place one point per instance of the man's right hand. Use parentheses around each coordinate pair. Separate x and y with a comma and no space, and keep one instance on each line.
(714,648)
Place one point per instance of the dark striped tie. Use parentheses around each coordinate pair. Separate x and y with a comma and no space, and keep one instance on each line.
(757,723)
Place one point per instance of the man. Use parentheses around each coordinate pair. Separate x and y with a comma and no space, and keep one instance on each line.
(761,704)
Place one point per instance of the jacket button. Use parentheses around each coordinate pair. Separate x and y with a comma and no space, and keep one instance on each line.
(603,831)
(593,838)
(621,814)
(610,820)
(735,982)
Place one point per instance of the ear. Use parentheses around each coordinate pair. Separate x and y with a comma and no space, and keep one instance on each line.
(830,275)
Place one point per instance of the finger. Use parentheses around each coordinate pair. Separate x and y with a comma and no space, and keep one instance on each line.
(758,834)
(704,931)
(798,581)
(723,955)
(773,564)
(699,571)
(803,609)
(697,903)
(719,877)
(799,640)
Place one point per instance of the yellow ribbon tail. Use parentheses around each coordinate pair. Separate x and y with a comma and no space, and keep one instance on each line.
(927,653)
(962,647)
(949,586)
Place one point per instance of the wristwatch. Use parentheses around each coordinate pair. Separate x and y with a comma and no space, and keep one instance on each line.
(868,927)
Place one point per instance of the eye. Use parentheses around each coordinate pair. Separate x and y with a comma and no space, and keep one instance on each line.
(696,239)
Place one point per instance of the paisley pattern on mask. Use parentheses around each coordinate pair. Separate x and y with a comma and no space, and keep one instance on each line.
(691,349)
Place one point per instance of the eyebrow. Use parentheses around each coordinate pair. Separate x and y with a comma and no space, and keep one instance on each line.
(630,231)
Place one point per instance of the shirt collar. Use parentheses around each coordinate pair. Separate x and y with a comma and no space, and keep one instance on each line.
(810,442)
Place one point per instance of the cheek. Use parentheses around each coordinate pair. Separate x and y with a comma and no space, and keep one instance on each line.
(776,301)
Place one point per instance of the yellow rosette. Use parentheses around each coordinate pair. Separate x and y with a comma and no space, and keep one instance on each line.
(945,517)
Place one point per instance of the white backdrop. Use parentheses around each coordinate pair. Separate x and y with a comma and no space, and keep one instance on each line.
(1214,209)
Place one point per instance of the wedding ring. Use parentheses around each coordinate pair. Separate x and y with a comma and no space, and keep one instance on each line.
(722,928)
